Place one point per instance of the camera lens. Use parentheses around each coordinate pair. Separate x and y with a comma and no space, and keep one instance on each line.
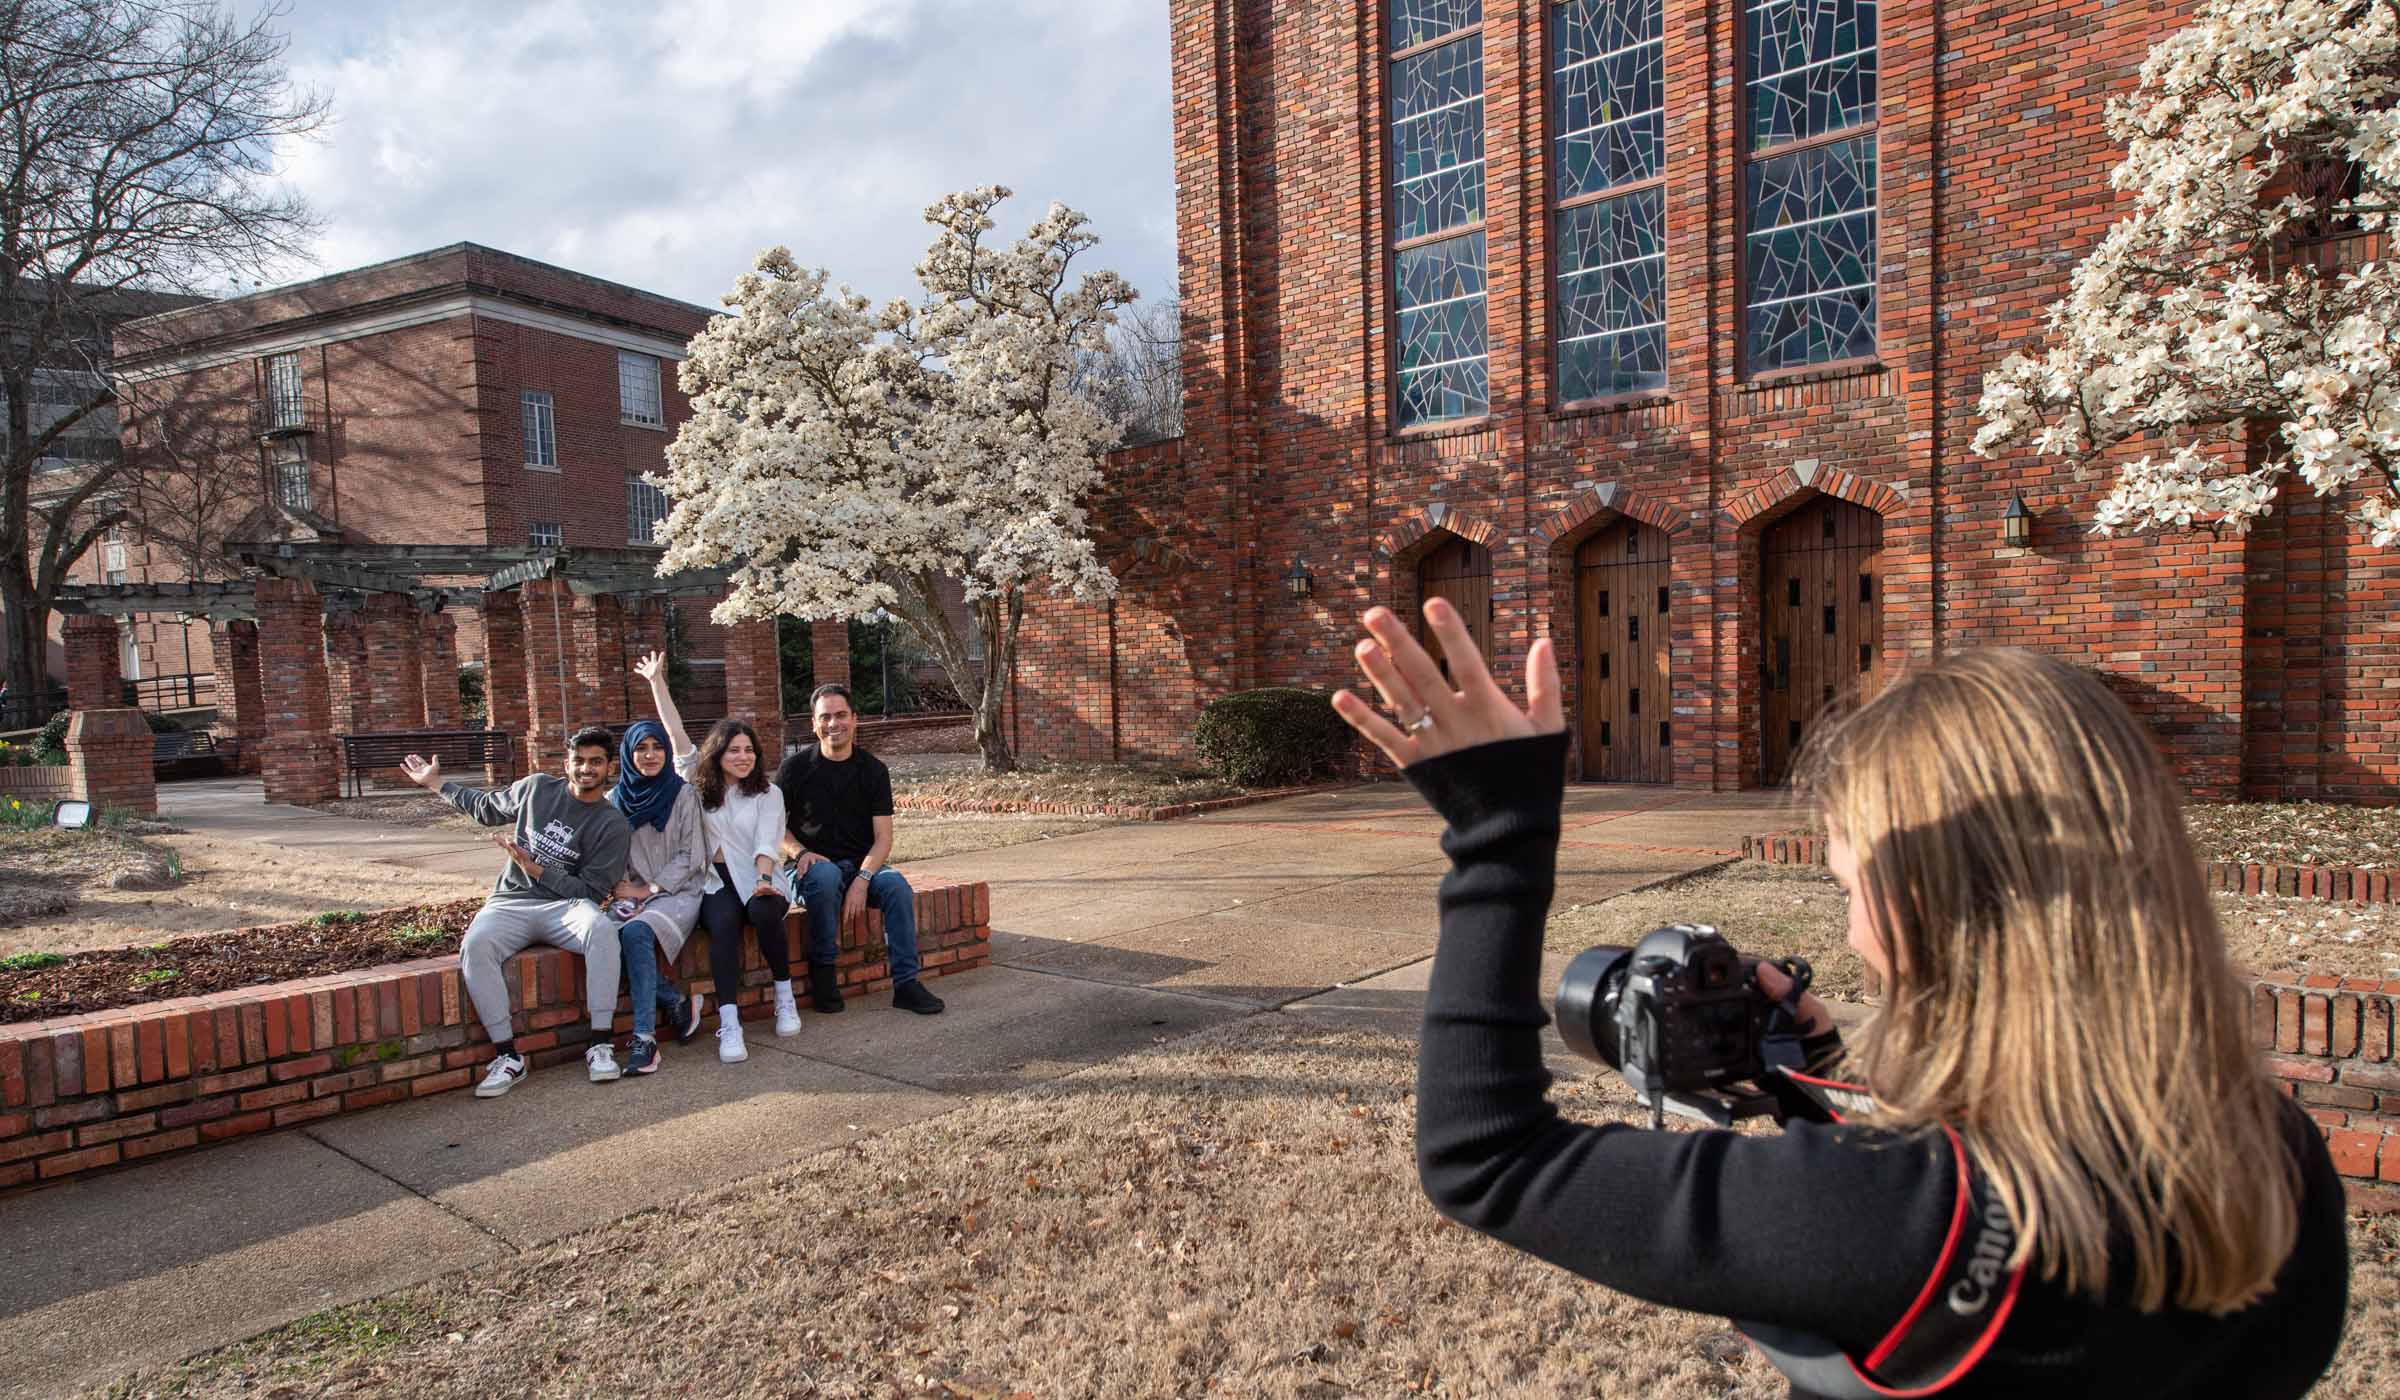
(1586,1007)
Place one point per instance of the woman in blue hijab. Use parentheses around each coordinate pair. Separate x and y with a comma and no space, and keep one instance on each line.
(659,899)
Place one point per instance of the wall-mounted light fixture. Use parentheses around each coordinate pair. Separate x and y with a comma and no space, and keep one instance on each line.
(1300,583)
(2016,524)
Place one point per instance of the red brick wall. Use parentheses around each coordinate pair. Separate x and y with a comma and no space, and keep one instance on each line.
(86,1093)
(1993,176)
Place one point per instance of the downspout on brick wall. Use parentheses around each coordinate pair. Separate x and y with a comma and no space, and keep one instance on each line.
(1116,708)
(333,473)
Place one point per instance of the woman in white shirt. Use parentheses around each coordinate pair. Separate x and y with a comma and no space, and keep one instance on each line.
(742,818)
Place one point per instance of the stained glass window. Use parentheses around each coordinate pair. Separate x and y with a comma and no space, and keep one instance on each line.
(1809,192)
(1437,189)
(1608,115)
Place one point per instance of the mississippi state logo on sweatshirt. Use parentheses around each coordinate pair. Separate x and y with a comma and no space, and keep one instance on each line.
(555,842)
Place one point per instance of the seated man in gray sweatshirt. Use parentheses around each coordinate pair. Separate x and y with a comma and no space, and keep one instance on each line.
(564,858)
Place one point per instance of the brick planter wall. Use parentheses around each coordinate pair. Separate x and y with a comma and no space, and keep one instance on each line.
(46,783)
(2330,1040)
(87,1093)
(2338,884)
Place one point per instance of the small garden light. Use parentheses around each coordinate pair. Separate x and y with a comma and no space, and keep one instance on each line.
(2016,524)
(1300,583)
(72,816)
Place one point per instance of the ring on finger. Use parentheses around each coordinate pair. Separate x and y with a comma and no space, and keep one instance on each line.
(1421,723)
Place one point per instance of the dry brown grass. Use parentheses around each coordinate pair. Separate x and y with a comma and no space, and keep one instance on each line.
(1234,1214)
(925,836)
(1775,910)
(414,809)
(44,871)
(1068,782)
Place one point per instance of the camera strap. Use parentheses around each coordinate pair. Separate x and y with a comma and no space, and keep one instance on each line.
(1957,1314)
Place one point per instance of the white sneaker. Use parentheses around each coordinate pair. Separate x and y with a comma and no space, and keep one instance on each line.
(730,1049)
(602,1060)
(787,1013)
(505,1072)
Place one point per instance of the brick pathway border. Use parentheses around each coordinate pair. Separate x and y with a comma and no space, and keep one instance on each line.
(88,1093)
(2333,884)
(1121,810)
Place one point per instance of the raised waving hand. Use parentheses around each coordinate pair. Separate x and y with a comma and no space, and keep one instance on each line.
(1438,715)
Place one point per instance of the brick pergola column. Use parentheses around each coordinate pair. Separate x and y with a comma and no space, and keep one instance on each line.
(233,653)
(108,743)
(389,637)
(595,640)
(345,650)
(829,652)
(754,682)
(437,642)
(552,698)
(504,682)
(298,758)
(95,664)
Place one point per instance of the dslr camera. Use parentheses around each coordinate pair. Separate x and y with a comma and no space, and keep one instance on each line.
(1680,1017)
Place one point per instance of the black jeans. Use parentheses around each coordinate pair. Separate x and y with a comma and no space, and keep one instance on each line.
(724,913)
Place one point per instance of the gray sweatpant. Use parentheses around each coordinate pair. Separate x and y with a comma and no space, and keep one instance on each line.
(507,927)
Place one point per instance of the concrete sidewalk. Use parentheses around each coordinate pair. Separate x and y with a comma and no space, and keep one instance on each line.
(236,809)
(1105,943)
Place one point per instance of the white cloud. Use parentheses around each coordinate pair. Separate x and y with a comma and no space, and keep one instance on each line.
(663,146)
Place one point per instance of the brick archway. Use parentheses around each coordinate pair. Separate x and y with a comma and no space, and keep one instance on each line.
(1414,536)
(1595,507)
(1785,491)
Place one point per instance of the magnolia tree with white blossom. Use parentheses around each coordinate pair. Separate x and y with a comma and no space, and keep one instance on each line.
(842,458)
(2244,287)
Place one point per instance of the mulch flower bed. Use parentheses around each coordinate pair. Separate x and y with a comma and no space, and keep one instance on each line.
(2296,833)
(220,962)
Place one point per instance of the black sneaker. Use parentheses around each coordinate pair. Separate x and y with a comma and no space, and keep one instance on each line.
(825,987)
(642,1057)
(682,1017)
(912,996)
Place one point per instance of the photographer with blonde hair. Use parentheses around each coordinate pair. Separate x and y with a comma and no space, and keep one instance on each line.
(2072,1176)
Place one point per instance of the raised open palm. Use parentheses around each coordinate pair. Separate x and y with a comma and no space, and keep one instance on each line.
(1441,715)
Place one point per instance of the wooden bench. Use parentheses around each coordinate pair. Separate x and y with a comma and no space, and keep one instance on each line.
(456,749)
(189,753)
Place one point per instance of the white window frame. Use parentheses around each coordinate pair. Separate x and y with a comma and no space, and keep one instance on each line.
(641,527)
(537,415)
(287,394)
(294,467)
(640,401)
(534,532)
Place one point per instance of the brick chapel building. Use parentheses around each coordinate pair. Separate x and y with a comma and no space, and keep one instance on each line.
(1658,326)
(462,396)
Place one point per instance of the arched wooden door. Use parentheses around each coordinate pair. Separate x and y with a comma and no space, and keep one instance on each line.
(1621,616)
(1460,570)
(1821,621)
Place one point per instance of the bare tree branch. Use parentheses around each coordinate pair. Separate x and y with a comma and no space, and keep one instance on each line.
(138,150)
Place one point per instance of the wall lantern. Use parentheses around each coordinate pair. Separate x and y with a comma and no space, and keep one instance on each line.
(1300,583)
(2016,524)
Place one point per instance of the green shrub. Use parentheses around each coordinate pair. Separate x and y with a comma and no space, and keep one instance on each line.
(1272,737)
(51,745)
(29,962)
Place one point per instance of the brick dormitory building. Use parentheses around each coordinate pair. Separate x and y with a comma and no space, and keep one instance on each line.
(462,397)
(1657,326)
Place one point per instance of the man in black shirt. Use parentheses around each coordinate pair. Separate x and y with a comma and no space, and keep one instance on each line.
(838,821)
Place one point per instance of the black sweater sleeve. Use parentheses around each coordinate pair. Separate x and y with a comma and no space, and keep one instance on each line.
(1829,1230)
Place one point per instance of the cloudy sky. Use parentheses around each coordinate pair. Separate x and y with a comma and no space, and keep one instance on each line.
(664,144)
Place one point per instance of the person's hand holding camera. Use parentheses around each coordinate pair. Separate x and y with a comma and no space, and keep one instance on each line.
(1437,714)
(1777,984)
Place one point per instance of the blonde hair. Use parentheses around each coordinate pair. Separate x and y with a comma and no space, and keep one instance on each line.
(2060,992)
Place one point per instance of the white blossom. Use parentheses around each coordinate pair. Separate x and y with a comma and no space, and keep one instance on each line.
(2240,289)
(842,457)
